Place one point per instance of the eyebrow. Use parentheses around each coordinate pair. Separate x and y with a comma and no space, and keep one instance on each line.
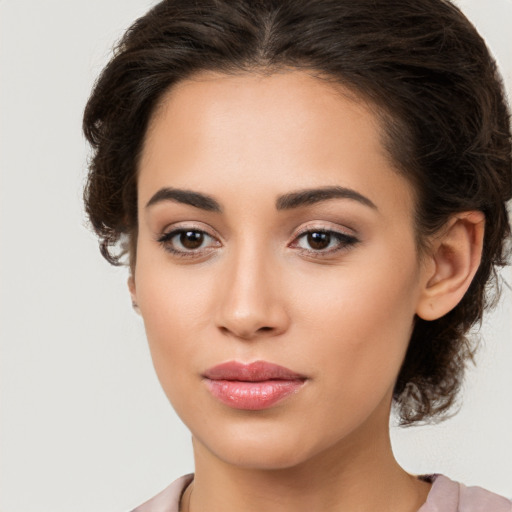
(316,195)
(189,197)
(284,202)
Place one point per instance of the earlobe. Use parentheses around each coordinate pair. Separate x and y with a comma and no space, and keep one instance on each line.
(453,262)
(131,287)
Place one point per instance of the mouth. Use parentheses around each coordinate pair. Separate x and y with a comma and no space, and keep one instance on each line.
(254,386)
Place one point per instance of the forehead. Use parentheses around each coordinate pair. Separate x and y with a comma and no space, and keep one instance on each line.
(255,132)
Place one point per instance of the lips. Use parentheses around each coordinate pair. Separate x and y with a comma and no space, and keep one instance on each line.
(253,386)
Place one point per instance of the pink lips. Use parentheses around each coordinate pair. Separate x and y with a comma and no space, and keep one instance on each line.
(253,386)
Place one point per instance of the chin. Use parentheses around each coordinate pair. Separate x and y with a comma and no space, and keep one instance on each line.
(259,447)
(266,459)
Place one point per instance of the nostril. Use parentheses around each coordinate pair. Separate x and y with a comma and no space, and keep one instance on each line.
(246,333)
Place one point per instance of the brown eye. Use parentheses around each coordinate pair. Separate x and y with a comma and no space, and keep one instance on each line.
(318,240)
(188,243)
(323,242)
(191,239)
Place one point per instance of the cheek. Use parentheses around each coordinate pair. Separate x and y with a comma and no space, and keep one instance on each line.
(174,304)
(170,294)
(361,320)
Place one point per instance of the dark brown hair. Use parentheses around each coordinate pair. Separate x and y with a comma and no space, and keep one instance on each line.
(420,63)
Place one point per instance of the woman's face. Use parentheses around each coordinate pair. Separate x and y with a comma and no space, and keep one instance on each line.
(293,245)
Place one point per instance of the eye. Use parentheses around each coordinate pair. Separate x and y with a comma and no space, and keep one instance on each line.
(187,242)
(323,242)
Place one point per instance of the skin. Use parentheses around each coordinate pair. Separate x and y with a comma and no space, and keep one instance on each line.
(256,290)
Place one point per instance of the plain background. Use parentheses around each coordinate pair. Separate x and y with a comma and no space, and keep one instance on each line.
(84,423)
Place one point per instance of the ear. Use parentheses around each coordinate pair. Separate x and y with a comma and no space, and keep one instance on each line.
(451,264)
(133,294)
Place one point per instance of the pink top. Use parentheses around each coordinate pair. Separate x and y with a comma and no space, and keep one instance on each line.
(444,496)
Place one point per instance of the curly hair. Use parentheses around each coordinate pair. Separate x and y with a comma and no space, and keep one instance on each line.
(421,64)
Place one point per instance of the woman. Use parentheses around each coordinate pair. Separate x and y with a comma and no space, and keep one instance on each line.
(312,199)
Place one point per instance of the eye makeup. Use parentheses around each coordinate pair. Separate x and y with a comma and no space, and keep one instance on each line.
(324,242)
(190,239)
(192,242)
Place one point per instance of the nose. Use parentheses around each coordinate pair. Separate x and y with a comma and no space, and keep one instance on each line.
(252,304)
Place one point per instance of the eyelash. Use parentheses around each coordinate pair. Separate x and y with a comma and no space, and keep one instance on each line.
(166,238)
(344,242)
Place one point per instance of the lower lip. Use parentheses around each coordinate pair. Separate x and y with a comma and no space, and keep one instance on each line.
(253,396)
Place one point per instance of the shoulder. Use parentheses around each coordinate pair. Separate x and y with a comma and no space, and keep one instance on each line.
(445,496)
(449,496)
(167,500)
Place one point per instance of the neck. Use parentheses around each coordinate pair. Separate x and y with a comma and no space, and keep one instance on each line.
(359,474)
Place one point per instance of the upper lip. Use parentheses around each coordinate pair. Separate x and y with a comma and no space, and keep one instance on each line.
(256,371)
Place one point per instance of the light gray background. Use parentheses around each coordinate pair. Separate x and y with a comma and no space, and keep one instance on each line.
(84,424)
